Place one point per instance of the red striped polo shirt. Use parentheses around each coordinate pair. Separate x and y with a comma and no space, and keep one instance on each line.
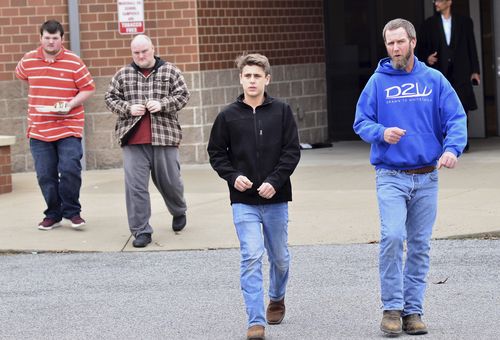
(49,83)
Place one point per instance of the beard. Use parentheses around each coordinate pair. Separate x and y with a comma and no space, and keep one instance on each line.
(400,64)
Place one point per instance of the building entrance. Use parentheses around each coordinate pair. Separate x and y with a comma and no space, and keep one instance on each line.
(354,45)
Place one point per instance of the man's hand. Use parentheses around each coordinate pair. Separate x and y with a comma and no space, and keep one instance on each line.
(266,190)
(432,59)
(242,183)
(448,160)
(476,77)
(392,135)
(153,106)
(137,110)
(62,107)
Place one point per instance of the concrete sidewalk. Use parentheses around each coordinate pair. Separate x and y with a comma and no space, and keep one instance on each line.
(334,203)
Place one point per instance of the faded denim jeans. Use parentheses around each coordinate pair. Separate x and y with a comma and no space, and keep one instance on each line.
(408,205)
(259,228)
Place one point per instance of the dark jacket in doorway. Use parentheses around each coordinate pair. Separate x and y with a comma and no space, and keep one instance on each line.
(262,145)
(459,60)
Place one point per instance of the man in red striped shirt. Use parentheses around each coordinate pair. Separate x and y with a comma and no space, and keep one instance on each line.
(59,83)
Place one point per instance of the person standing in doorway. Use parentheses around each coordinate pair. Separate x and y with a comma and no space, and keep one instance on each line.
(446,43)
(414,121)
(254,146)
(146,96)
(59,83)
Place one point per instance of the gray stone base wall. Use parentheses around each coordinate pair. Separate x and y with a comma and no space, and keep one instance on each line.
(302,86)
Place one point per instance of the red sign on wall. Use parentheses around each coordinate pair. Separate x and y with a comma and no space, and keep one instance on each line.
(130,16)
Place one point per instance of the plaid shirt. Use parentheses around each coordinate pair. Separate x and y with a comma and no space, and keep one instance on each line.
(165,84)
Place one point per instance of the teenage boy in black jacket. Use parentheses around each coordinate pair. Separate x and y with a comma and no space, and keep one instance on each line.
(254,146)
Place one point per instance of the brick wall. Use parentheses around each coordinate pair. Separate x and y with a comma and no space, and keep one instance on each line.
(201,37)
(5,169)
(287,32)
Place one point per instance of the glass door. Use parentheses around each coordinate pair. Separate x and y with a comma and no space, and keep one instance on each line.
(354,45)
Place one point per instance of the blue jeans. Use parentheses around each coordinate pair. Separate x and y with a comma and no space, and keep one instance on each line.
(408,205)
(259,227)
(59,173)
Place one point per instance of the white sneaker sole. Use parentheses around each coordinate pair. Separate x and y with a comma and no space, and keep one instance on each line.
(55,225)
(77,226)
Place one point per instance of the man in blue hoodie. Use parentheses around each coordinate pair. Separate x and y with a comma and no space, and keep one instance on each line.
(415,123)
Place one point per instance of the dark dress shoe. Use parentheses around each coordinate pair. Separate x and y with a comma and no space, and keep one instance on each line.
(275,312)
(142,240)
(179,222)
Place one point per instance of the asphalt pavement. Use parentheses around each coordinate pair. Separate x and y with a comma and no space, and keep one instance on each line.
(333,293)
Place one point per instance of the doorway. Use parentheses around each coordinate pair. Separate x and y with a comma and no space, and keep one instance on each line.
(354,45)
(490,74)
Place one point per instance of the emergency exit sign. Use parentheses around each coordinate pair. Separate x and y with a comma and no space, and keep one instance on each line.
(131,16)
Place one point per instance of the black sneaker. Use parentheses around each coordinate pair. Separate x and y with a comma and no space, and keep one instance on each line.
(179,222)
(142,240)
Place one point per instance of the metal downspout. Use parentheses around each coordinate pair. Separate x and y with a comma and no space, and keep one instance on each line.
(74,39)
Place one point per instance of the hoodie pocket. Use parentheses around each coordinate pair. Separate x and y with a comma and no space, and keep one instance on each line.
(415,149)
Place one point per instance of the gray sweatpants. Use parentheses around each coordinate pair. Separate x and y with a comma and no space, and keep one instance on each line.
(162,162)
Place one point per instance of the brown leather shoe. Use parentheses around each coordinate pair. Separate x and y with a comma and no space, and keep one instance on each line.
(413,325)
(275,312)
(256,333)
(391,323)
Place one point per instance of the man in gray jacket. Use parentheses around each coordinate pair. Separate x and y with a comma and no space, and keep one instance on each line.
(146,96)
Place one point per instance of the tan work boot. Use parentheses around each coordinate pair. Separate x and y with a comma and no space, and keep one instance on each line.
(391,323)
(256,333)
(413,325)
(275,312)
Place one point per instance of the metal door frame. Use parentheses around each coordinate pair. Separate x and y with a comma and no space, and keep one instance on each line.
(496,42)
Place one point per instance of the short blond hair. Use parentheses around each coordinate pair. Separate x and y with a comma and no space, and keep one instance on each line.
(253,59)
(398,23)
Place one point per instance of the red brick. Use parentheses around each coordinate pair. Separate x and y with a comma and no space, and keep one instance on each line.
(107,17)
(96,8)
(4,151)
(4,189)
(6,170)
(40,10)
(106,53)
(10,12)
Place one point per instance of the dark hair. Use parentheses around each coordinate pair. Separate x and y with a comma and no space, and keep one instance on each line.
(52,27)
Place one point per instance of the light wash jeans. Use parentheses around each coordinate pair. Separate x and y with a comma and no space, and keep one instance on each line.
(259,227)
(408,205)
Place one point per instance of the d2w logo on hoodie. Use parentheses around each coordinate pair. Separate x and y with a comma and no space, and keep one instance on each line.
(405,91)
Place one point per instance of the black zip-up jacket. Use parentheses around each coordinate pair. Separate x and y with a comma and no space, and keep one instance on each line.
(262,145)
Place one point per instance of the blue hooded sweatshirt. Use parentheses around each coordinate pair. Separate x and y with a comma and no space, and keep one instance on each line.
(423,103)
